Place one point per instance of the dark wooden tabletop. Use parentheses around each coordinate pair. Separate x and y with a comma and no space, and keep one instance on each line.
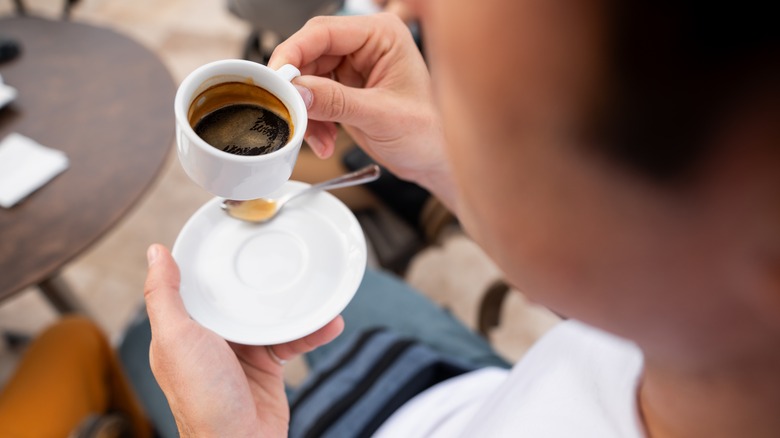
(107,102)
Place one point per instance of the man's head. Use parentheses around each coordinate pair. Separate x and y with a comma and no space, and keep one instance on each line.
(621,164)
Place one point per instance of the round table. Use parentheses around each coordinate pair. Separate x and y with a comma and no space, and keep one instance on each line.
(107,102)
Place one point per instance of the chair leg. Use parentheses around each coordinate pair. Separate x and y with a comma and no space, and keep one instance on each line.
(16,340)
(434,218)
(20,9)
(490,307)
(61,296)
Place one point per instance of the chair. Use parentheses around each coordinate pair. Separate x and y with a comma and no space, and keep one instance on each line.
(66,8)
(273,21)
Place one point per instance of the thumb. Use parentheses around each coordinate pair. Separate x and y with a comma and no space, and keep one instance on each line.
(330,101)
(161,290)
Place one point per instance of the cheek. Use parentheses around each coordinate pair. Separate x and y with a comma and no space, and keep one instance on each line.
(476,150)
(531,203)
(493,202)
(532,60)
(466,154)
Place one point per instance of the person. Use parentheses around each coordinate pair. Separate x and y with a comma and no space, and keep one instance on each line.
(399,8)
(70,383)
(617,160)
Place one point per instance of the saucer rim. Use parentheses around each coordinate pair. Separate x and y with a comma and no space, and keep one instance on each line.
(303,329)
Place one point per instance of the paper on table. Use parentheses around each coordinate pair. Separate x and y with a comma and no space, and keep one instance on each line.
(25,166)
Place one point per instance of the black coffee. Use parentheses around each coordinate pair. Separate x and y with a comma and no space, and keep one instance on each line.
(244,130)
(241,118)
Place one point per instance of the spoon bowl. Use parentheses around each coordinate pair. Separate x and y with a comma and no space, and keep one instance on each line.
(263,210)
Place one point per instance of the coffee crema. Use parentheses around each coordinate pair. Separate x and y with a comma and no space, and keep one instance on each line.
(241,119)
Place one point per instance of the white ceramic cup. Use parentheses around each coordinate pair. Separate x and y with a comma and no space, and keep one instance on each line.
(230,176)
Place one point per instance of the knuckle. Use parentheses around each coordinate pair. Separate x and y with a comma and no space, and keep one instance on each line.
(317,21)
(151,288)
(148,289)
(154,361)
(337,107)
(160,351)
(310,344)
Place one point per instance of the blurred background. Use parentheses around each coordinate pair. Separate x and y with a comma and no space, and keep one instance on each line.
(432,254)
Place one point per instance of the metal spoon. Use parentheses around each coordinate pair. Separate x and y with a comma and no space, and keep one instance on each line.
(263,210)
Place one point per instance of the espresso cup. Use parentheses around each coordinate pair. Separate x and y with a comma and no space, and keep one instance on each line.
(226,174)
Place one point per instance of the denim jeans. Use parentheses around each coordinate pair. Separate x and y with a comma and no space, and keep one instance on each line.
(385,301)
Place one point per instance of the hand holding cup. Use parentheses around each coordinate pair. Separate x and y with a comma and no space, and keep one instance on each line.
(366,74)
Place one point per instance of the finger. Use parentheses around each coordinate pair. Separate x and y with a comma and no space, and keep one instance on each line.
(332,135)
(361,37)
(259,356)
(321,138)
(339,68)
(322,65)
(346,74)
(308,343)
(161,290)
(321,36)
(334,102)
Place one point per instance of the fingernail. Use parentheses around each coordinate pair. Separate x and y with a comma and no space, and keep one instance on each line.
(151,255)
(316,145)
(305,94)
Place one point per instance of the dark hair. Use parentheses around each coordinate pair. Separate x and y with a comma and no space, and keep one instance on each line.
(678,67)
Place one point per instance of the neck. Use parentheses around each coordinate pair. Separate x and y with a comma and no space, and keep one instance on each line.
(738,400)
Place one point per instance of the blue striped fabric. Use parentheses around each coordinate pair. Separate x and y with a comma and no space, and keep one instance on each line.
(362,386)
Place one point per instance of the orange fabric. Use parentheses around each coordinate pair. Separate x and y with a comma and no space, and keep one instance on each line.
(67,373)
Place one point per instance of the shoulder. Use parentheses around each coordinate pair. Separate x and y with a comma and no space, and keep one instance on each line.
(576,381)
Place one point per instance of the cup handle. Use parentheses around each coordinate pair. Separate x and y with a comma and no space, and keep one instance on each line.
(288,72)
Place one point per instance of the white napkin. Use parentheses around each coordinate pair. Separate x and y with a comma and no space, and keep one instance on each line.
(25,166)
(7,93)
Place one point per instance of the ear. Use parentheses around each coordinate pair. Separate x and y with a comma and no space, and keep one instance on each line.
(766,295)
(764,238)
(746,166)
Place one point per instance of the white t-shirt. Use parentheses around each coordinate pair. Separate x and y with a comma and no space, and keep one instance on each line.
(576,381)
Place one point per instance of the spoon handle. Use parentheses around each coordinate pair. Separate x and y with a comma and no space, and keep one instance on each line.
(360,176)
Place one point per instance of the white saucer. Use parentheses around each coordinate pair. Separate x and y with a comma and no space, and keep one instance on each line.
(262,284)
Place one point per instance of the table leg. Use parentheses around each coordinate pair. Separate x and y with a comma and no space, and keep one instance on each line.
(61,296)
(20,9)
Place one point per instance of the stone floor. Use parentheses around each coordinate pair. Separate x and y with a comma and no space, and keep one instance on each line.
(109,277)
